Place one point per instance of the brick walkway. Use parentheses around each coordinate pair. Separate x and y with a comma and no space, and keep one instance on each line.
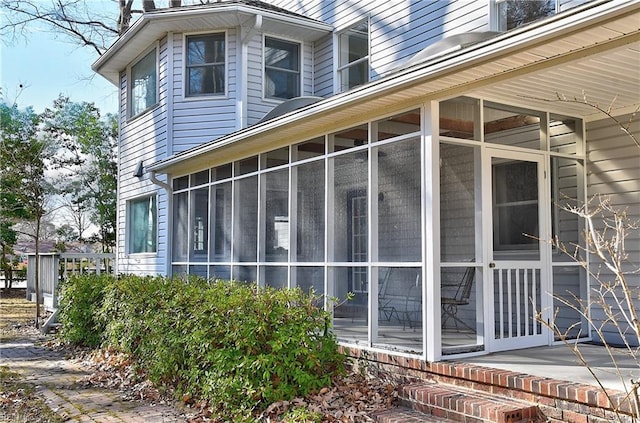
(56,381)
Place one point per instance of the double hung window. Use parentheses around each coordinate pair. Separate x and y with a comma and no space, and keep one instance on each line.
(353,61)
(143,91)
(281,69)
(205,64)
(143,223)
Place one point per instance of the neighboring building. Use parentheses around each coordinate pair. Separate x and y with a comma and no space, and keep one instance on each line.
(413,153)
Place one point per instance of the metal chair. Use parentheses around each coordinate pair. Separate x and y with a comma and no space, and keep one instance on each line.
(413,305)
(460,298)
(385,306)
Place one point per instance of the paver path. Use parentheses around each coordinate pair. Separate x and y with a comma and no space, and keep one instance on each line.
(56,381)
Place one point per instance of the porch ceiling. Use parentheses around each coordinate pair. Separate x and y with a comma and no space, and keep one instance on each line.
(610,78)
(594,50)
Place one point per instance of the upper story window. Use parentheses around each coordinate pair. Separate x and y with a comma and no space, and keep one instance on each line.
(514,13)
(353,61)
(143,89)
(205,64)
(142,225)
(281,69)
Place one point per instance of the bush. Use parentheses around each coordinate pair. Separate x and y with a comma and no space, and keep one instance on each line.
(229,343)
(81,297)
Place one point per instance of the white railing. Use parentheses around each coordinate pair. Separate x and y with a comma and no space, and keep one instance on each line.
(55,267)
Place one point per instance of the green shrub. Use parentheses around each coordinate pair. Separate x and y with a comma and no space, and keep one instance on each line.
(227,342)
(81,296)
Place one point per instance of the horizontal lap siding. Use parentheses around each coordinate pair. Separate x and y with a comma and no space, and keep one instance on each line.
(569,4)
(143,138)
(323,67)
(399,29)
(195,120)
(257,107)
(307,69)
(613,170)
(406,30)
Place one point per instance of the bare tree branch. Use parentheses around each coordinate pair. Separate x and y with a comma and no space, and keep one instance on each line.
(624,126)
(73,18)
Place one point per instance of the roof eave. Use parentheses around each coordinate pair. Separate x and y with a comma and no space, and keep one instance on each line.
(419,73)
(313,30)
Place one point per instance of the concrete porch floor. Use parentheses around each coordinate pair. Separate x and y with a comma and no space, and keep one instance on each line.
(559,362)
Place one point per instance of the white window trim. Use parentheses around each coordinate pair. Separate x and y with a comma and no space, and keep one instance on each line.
(128,227)
(222,96)
(263,66)
(155,46)
(337,82)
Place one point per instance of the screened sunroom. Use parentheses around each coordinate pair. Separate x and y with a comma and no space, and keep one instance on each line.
(426,232)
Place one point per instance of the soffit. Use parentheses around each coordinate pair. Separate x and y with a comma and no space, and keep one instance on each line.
(155,25)
(600,57)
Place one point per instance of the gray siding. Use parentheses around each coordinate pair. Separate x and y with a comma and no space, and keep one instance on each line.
(143,138)
(613,170)
(198,120)
(256,106)
(399,29)
(323,67)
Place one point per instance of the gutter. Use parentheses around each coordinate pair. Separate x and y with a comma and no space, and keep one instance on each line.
(169,15)
(586,16)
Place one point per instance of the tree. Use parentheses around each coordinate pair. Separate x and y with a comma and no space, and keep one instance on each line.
(79,20)
(25,190)
(86,160)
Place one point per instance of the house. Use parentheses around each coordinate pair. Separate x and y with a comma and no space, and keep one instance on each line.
(415,154)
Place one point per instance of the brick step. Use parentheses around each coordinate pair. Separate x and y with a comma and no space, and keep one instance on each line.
(462,405)
(406,415)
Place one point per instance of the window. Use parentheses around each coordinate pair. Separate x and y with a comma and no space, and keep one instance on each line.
(143,223)
(143,91)
(514,13)
(205,74)
(515,205)
(281,69)
(353,63)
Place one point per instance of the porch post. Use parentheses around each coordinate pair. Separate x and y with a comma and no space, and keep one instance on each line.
(431,233)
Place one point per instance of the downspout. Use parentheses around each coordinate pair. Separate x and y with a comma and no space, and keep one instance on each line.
(242,93)
(169,191)
(156,181)
(170,99)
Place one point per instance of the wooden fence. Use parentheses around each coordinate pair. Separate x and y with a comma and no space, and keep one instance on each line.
(55,267)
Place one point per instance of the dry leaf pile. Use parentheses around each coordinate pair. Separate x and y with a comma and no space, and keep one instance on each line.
(350,398)
(114,370)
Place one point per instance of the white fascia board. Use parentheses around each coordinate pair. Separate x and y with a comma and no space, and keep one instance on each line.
(424,72)
(151,24)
